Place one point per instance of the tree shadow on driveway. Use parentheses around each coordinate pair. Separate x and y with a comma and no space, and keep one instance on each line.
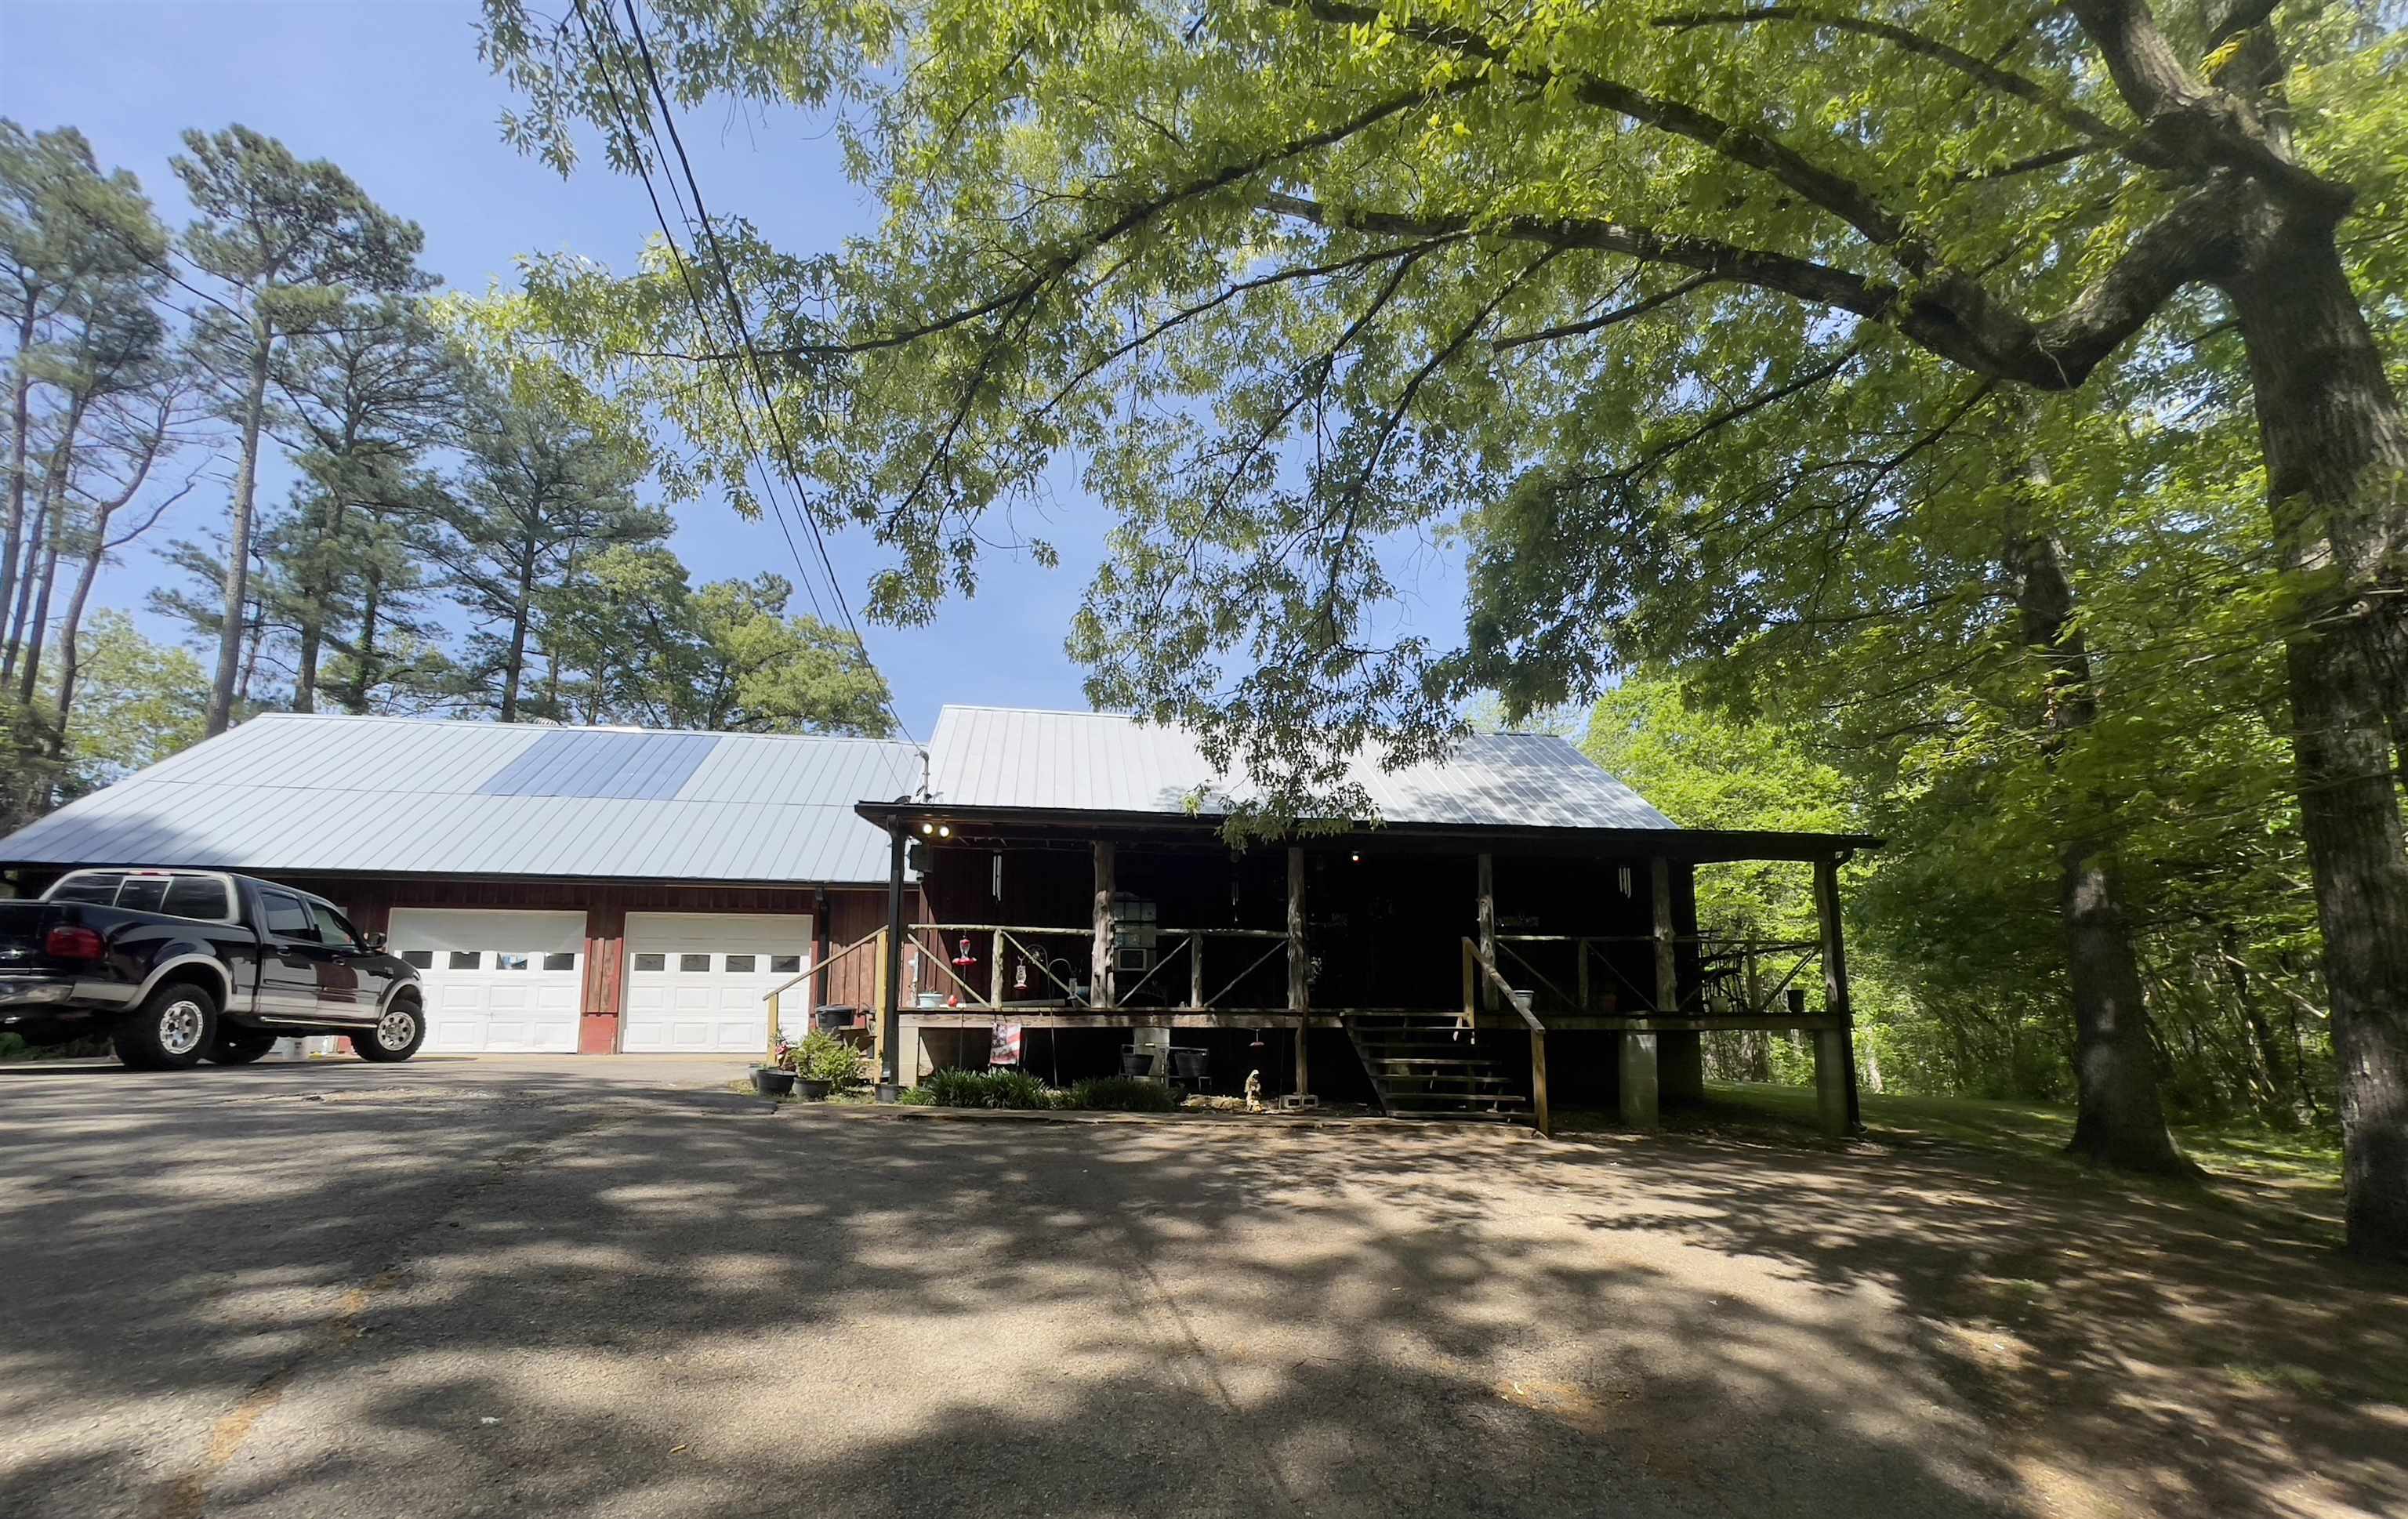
(533,1295)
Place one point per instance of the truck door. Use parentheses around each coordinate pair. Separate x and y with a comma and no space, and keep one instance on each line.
(352,983)
(293,961)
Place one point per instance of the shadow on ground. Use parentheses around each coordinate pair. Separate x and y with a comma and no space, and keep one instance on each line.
(318,1293)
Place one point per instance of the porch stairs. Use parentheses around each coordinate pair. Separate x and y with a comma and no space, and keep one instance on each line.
(1429,1066)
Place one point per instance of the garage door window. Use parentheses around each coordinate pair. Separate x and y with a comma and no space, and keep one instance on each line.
(560,962)
(651,962)
(464,959)
(785,965)
(504,960)
(693,962)
(422,959)
(739,964)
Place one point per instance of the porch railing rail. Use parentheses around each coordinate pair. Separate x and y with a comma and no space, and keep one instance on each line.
(769,997)
(1477,965)
(1186,943)
(1736,974)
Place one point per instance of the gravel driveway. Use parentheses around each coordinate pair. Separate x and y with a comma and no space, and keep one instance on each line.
(613,1288)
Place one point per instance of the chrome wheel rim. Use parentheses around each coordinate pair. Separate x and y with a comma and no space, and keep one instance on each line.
(180,1027)
(396,1028)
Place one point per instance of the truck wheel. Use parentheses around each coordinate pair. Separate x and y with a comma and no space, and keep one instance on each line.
(240,1046)
(170,1031)
(396,1036)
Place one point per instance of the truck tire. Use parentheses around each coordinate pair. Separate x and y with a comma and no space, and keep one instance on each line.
(172,1029)
(397,1035)
(240,1046)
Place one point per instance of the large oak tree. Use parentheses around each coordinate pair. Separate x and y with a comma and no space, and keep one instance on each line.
(1304,277)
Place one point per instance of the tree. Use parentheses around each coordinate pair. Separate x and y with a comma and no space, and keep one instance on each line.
(77,249)
(633,643)
(540,490)
(290,241)
(141,703)
(1276,265)
(363,401)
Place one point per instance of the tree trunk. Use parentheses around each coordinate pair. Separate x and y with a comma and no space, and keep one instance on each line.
(21,425)
(519,615)
(21,610)
(2336,454)
(237,570)
(2118,1121)
(37,620)
(355,696)
(71,627)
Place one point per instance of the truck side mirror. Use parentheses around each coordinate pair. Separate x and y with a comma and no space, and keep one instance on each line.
(374,941)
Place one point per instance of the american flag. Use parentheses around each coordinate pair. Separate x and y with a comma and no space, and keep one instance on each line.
(1006,1049)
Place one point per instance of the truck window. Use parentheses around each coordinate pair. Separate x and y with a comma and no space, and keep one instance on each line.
(98,887)
(287,918)
(198,896)
(334,927)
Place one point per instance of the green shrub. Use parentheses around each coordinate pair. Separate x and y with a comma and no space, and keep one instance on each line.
(988,1089)
(1123,1093)
(823,1058)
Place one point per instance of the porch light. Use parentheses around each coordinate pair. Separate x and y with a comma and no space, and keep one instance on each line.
(927,828)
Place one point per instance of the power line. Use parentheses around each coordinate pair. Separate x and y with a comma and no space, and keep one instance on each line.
(686,276)
(735,315)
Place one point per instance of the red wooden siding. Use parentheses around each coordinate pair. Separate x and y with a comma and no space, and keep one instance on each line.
(852,912)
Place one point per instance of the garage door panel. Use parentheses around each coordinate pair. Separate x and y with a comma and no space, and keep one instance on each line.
(696,982)
(496,980)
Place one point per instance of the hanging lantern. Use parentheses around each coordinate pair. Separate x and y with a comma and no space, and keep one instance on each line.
(966,957)
(1019,975)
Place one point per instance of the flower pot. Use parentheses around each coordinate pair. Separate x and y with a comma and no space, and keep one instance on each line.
(811,1090)
(772,1083)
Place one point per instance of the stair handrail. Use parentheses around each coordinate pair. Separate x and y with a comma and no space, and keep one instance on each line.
(1472,955)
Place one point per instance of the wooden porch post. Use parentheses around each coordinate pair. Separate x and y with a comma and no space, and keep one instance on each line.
(1835,1049)
(1300,964)
(1099,987)
(1488,927)
(890,1037)
(1680,1054)
(994,970)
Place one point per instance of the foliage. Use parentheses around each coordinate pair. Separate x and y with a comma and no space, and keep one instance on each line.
(1123,1094)
(988,1089)
(822,1057)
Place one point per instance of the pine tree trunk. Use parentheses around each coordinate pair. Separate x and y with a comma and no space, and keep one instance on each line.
(355,696)
(2118,1121)
(22,607)
(237,570)
(20,422)
(37,622)
(2336,454)
(520,612)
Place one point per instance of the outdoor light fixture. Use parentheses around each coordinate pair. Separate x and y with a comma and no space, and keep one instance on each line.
(944,832)
(927,827)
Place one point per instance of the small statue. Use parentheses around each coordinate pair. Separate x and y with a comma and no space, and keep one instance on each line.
(1254,1091)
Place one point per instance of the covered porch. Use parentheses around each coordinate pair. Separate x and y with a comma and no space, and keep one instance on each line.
(1473,971)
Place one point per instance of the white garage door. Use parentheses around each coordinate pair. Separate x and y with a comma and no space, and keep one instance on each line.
(695,980)
(496,982)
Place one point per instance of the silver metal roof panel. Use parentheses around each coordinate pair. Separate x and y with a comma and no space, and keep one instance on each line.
(306,793)
(1002,757)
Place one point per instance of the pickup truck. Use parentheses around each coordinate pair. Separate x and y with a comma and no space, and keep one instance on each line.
(176,966)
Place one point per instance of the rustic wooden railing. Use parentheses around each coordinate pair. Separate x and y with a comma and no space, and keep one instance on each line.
(1516,1000)
(1016,936)
(769,997)
(1730,979)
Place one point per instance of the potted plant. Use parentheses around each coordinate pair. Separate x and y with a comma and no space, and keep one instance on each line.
(777,1078)
(825,1064)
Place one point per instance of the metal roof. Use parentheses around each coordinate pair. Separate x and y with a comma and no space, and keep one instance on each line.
(1012,759)
(300,794)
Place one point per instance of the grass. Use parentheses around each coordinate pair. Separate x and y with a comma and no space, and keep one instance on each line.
(2041,1130)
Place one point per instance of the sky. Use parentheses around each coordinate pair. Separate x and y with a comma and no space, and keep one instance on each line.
(393,92)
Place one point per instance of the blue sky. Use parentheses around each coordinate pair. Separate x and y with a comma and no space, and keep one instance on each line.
(393,91)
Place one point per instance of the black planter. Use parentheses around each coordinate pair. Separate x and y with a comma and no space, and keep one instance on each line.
(772,1083)
(811,1090)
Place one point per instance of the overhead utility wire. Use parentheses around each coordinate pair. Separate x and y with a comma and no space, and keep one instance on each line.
(685,276)
(752,356)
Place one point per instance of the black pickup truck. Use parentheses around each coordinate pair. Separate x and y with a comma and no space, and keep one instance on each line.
(180,965)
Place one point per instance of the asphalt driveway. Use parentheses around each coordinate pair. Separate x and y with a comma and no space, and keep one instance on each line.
(612,1287)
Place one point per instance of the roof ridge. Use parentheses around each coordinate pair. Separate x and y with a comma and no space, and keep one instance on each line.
(496,725)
